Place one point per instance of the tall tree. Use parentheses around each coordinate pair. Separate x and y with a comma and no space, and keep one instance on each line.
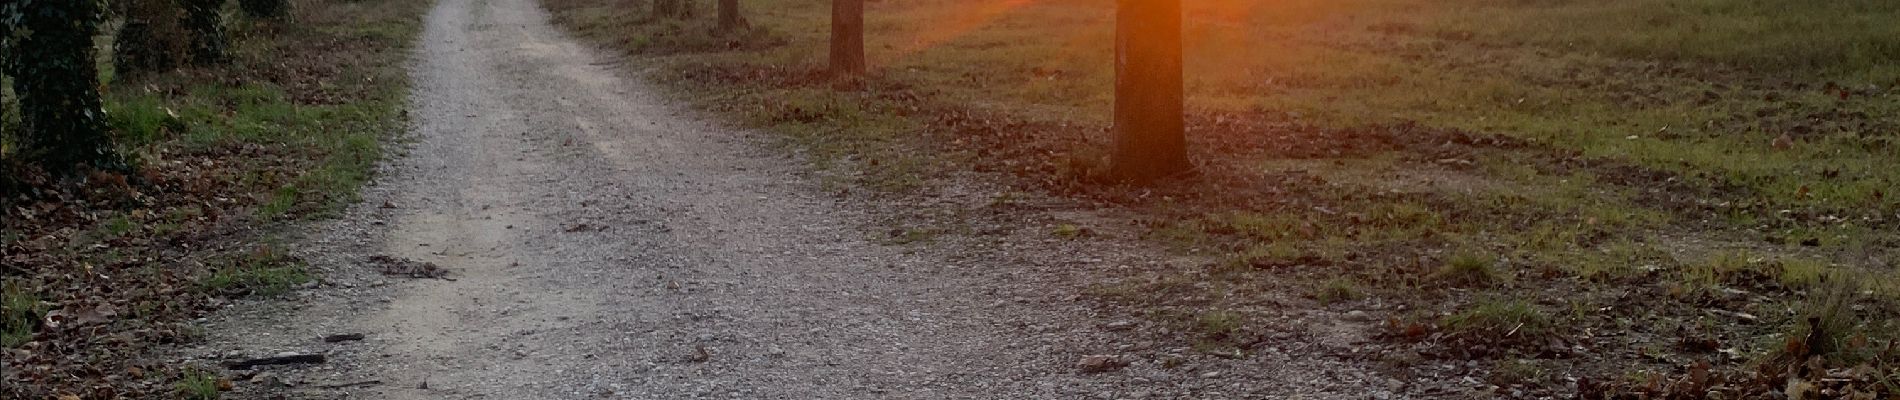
(1150,142)
(729,18)
(676,9)
(265,9)
(151,39)
(847,37)
(50,56)
(205,19)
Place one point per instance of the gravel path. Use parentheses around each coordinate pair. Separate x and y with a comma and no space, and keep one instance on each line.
(602,243)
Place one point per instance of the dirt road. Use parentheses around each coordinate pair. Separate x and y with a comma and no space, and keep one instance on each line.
(603,243)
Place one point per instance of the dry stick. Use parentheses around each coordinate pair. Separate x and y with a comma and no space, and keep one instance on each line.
(276,360)
(356,383)
(351,384)
(342,337)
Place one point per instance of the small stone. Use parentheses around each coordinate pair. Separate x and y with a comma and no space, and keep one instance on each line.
(1119,325)
(266,379)
(1211,374)
(1358,316)
(1099,363)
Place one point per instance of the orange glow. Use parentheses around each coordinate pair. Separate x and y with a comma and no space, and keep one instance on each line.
(1208,24)
(965,20)
(1220,12)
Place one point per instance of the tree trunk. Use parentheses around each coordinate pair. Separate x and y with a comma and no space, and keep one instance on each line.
(729,19)
(1149,140)
(847,37)
(57,81)
(265,9)
(205,20)
(676,9)
(151,39)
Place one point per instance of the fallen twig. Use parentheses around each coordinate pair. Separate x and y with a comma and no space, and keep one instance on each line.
(351,384)
(276,360)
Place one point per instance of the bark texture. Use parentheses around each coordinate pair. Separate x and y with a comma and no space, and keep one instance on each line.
(729,17)
(1150,143)
(847,37)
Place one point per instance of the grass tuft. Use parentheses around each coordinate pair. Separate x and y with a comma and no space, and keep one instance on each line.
(1501,318)
(1337,290)
(1827,321)
(1517,371)
(1468,268)
(196,384)
(20,311)
(1219,323)
(1221,332)
(260,273)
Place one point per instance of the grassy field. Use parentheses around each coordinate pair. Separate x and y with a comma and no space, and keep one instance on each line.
(222,157)
(1612,190)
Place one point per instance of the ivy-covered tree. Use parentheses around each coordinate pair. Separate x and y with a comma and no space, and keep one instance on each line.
(206,23)
(8,107)
(267,9)
(151,39)
(50,56)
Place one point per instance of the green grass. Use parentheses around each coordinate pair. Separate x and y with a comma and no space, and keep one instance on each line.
(1502,318)
(119,226)
(1469,268)
(1828,324)
(20,312)
(321,143)
(1853,40)
(1338,290)
(1220,332)
(1517,371)
(198,384)
(1468,64)
(261,273)
(340,141)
